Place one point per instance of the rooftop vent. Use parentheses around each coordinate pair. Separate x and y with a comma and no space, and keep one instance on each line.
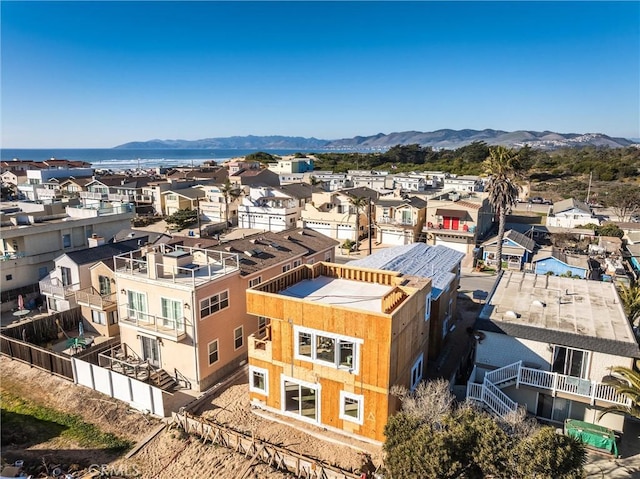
(511,315)
(253,252)
(538,303)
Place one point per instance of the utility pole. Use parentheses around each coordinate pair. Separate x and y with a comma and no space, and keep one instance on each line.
(198,215)
(589,188)
(369,225)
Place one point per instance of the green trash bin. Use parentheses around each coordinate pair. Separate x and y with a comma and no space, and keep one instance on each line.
(592,435)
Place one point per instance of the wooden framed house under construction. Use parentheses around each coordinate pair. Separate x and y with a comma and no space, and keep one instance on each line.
(335,340)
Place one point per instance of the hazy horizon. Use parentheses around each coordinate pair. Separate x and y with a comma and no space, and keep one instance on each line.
(101,74)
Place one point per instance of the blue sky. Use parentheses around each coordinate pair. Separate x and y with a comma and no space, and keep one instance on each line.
(98,74)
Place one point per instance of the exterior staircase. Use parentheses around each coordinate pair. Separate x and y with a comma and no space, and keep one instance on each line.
(163,380)
(489,393)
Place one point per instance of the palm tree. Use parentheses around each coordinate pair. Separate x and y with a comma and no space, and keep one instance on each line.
(503,191)
(630,298)
(229,190)
(358,202)
(629,386)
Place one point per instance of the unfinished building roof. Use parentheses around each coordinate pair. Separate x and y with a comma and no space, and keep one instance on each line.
(571,312)
(417,259)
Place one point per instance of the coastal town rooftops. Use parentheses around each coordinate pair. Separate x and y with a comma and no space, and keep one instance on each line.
(576,313)
(417,259)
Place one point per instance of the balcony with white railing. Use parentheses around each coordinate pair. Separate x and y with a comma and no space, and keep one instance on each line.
(405,223)
(123,198)
(93,195)
(93,299)
(54,287)
(167,328)
(490,394)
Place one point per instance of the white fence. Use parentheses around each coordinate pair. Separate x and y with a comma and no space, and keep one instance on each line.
(138,394)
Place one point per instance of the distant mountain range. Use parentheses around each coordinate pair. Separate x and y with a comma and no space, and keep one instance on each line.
(439,139)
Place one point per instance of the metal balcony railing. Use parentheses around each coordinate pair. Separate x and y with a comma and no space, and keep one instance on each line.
(169,328)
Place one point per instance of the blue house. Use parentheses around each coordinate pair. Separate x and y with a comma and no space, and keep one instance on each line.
(517,249)
(561,264)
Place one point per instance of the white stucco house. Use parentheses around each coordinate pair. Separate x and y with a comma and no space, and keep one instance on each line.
(570,213)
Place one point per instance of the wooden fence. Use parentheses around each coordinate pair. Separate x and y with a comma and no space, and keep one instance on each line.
(43,330)
(275,456)
(56,363)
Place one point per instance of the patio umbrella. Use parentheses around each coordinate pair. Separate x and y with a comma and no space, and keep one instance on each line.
(80,329)
(20,302)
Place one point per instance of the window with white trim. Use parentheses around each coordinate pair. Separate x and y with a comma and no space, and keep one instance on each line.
(427,311)
(416,372)
(286,268)
(255,281)
(351,407)
(330,349)
(297,263)
(212,349)
(238,337)
(258,380)
(214,303)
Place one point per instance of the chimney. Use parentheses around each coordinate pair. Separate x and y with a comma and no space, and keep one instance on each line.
(95,240)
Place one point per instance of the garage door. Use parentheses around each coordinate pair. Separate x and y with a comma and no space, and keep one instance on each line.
(462,247)
(324,228)
(395,238)
(345,232)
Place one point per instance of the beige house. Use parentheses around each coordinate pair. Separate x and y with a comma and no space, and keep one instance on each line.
(332,214)
(30,244)
(187,198)
(98,302)
(399,221)
(458,220)
(182,309)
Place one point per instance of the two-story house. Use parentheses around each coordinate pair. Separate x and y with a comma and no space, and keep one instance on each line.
(438,263)
(27,253)
(71,271)
(375,180)
(330,181)
(458,221)
(34,187)
(220,205)
(182,309)
(571,213)
(410,182)
(332,214)
(399,221)
(273,208)
(186,198)
(546,343)
(336,339)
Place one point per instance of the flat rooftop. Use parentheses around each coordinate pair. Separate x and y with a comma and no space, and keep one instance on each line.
(574,312)
(340,292)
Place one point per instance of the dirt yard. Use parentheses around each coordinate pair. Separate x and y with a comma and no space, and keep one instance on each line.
(171,453)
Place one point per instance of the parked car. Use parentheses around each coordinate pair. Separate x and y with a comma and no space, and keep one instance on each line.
(538,200)
(635,219)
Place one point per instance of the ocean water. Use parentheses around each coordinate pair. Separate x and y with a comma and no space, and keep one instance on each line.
(109,158)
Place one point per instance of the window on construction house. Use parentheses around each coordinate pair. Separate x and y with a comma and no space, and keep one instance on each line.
(213,352)
(238,337)
(258,380)
(214,304)
(351,407)
(325,348)
(262,322)
(427,311)
(416,372)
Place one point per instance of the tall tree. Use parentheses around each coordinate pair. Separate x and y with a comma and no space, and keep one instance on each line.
(624,200)
(628,386)
(630,298)
(501,166)
(358,203)
(230,192)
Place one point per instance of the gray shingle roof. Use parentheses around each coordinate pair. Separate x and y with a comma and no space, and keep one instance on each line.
(569,204)
(105,251)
